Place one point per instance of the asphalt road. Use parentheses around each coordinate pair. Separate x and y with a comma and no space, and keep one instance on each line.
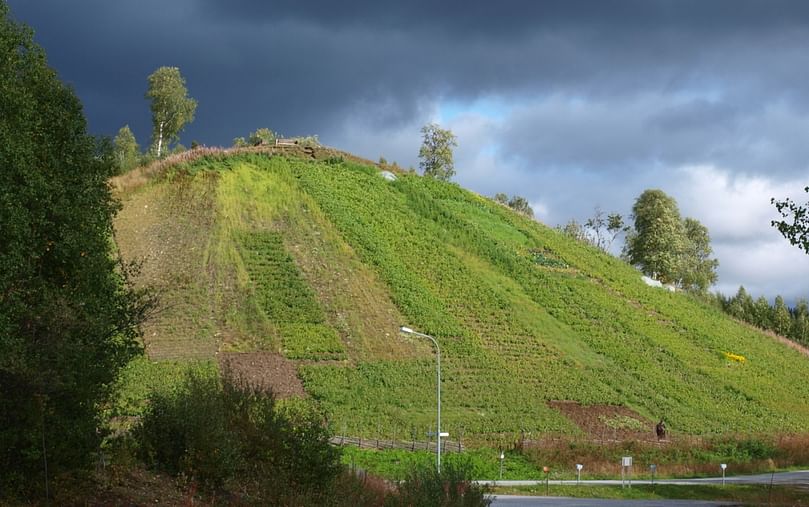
(799,478)
(526,501)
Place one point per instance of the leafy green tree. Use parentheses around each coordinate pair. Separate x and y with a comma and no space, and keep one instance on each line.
(262,136)
(659,237)
(800,322)
(761,314)
(520,205)
(239,142)
(127,151)
(741,305)
(665,246)
(436,152)
(501,198)
(171,107)
(796,227)
(697,268)
(780,316)
(68,321)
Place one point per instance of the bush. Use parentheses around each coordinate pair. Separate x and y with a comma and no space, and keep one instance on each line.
(262,137)
(424,486)
(227,436)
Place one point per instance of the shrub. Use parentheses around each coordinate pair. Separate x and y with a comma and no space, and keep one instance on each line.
(424,486)
(226,435)
(261,137)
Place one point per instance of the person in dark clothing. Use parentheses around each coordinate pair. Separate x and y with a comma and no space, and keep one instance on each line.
(660,429)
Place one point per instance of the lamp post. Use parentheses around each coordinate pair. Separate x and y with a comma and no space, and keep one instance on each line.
(438,433)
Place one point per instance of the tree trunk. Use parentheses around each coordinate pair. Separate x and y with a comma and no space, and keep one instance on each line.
(160,139)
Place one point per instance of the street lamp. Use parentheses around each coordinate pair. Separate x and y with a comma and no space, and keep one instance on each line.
(407,330)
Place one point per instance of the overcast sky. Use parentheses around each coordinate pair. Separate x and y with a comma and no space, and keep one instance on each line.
(571,104)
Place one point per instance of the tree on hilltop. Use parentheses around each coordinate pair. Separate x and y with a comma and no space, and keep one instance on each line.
(517,203)
(436,152)
(665,246)
(697,268)
(262,137)
(127,151)
(171,107)
(68,319)
(520,205)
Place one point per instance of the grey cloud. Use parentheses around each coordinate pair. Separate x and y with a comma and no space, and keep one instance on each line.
(608,97)
(634,135)
(386,60)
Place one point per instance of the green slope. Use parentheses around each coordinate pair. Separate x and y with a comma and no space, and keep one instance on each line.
(321,261)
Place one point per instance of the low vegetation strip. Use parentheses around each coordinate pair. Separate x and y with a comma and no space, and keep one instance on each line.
(288,300)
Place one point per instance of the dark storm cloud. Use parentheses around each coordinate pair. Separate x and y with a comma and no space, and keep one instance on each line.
(302,66)
(597,100)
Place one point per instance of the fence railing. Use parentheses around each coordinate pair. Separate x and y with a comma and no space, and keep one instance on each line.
(409,445)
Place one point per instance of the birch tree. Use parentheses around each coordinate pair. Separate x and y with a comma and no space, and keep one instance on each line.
(171,106)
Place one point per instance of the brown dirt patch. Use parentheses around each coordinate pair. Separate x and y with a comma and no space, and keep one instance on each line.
(607,422)
(167,229)
(265,371)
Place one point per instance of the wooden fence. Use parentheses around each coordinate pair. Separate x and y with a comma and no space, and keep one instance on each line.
(408,445)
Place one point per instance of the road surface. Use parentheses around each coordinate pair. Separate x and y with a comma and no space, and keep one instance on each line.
(799,478)
(530,501)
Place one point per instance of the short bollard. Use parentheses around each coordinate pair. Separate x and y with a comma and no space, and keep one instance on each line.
(547,471)
(653,468)
(502,457)
(578,472)
(723,466)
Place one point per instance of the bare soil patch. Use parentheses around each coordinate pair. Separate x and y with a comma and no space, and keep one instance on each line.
(167,229)
(265,371)
(607,422)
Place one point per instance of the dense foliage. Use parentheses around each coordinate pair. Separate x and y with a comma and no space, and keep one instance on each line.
(436,152)
(127,151)
(171,106)
(425,487)
(68,321)
(226,435)
(668,248)
(517,203)
(778,317)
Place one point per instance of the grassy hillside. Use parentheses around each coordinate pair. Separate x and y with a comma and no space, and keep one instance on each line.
(321,261)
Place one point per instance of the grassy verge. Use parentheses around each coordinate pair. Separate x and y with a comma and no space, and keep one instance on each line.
(484,463)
